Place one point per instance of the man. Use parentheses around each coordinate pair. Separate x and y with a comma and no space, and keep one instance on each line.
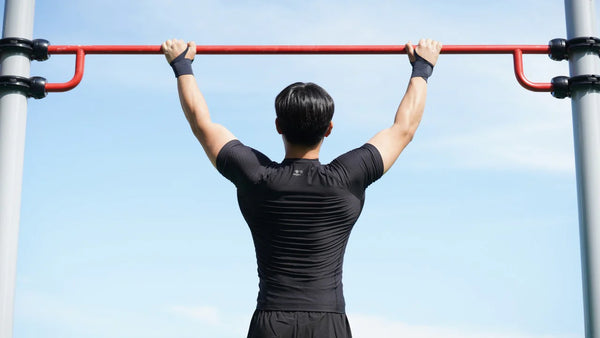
(299,211)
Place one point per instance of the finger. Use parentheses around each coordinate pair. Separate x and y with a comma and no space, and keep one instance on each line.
(166,49)
(410,51)
(428,43)
(191,50)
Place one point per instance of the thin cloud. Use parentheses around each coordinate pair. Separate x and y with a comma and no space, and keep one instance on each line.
(519,147)
(206,314)
(364,326)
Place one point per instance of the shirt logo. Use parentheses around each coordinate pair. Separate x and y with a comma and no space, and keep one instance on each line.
(297,172)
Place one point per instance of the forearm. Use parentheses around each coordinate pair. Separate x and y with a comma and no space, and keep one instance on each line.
(410,111)
(193,104)
(391,141)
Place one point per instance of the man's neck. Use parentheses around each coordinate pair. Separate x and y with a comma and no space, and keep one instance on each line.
(295,151)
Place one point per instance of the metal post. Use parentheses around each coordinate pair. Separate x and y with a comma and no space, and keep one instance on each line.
(580,17)
(18,22)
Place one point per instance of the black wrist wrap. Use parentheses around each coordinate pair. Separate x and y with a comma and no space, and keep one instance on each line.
(421,68)
(181,65)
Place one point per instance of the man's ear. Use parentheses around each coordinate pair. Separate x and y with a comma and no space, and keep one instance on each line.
(329,129)
(277,126)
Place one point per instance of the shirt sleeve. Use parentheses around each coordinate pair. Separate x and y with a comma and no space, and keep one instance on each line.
(240,164)
(361,166)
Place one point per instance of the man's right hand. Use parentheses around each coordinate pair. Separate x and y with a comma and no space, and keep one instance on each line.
(427,49)
(174,48)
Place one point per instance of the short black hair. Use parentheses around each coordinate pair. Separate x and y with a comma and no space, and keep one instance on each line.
(304,111)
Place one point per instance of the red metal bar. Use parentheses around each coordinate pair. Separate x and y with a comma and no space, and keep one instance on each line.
(301,49)
(79,66)
(518,63)
(516,50)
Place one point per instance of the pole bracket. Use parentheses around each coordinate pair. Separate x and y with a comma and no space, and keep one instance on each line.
(34,49)
(563,86)
(32,87)
(560,48)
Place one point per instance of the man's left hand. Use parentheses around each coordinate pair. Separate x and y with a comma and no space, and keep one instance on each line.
(174,48)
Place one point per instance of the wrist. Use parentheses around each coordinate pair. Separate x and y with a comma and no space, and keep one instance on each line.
(421,68)
(181,65)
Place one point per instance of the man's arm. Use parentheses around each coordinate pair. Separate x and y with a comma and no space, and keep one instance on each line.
(211,135)
(391,141)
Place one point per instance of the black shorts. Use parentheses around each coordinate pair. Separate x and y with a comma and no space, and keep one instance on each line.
(284,324)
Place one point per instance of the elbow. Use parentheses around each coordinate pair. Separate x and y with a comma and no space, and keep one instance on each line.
(404,132)
(412,130)
(196,121)
(409,135)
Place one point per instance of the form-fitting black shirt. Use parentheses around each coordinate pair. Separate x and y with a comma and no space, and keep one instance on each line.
(300,214)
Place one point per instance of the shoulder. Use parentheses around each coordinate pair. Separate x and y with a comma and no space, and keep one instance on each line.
(366,154)
(236,150)
(363,165)
(238,162)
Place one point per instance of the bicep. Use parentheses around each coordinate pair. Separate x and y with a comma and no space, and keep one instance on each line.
(390,143)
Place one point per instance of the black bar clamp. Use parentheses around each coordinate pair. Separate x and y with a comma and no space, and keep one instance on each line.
(563,86)
(560,48)
(35,50)
(32,87)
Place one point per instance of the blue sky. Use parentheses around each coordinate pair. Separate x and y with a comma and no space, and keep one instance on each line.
(128,231)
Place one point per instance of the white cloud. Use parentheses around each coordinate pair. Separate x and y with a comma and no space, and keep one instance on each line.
(365,326)
(36,309)
(206,314)
(210,319)
(52,315)
(517,146)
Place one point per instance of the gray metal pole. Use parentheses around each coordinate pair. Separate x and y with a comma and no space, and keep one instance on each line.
(18,22)
(581,22)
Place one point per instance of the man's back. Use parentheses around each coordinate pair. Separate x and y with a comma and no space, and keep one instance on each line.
(300,213)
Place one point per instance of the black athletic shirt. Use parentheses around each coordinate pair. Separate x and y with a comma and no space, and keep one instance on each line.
(300,214)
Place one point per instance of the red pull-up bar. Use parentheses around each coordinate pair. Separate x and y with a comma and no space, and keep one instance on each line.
(516,50)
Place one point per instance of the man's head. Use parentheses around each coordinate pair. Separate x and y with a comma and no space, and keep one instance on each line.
(304,112)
